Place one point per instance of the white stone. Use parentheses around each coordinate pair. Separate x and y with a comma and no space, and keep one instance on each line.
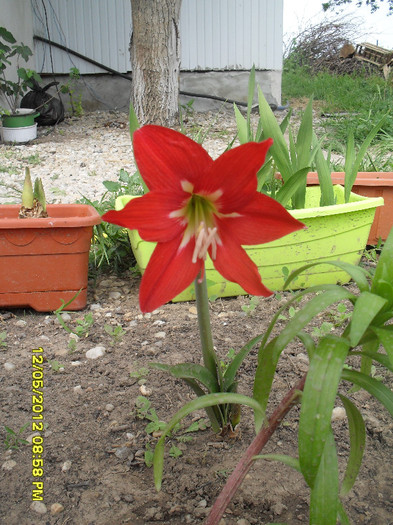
(160,335)
(76,363)
(66,466)
(39,507)
(114,295)
(66,317)
(109,407)
(338,414)
(78,389)
(94,353)
(145,391)
(9,366)
(95,306)
(21,323)
(9,464)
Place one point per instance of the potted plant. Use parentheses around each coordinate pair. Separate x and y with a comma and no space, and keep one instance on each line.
(18,123)
(44,252)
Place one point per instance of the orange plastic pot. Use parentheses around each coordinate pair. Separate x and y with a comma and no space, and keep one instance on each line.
(45,261)
(370,184)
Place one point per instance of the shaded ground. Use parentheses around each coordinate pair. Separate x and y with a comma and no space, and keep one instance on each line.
(95,443)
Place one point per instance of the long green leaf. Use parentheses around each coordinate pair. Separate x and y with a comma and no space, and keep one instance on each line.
(342,515)
(385,335)
(324,175)
(366,308)
(267,363)
(233,367)
(384,269)
(214,413)
(292,186)
(324,493)
(373,386)
(241,125)
(318,399)
(358,274)
(279,149)
(286,460)
(196,404)
(304,137)
(351,174)
(357,439)
(190,371)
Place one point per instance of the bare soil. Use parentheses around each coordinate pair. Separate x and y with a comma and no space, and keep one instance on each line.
(94,442)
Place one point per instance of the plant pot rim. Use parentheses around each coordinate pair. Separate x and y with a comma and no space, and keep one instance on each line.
(363,178)
(22,112)
(60,216)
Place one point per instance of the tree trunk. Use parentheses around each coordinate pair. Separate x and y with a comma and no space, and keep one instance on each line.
(155,58)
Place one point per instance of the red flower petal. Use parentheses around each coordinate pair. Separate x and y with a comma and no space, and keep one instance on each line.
(168,273)
(165,157)
(262,220)
(149,215)
(234,172)
(233,263)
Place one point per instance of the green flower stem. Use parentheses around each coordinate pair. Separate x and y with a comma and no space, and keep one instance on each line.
(235,479)
(205,332)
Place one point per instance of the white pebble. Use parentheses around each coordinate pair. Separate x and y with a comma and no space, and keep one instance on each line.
(9,464)
(114,295)
(160,335)
(338,414)
(145,391)
(66,466)
(109,407)
(56,508)
(95,306)
(21,323)
(76,363)
(39,507)
(78,389)
(9,366)
(66,317)
(94,353)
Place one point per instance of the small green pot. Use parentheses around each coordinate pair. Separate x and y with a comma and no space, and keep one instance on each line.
(337,232)
(22,118)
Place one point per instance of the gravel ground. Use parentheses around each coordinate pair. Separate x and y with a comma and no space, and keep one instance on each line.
(76,156)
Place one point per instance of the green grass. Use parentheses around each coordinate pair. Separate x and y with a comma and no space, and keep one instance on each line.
(356,101)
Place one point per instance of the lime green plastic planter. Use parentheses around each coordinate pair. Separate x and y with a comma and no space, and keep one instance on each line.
(336,232)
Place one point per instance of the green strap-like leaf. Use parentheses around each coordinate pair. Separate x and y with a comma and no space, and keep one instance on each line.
(196,404)
(384,269)
(357,437)
(385,336)
(288,190)
(373,386)
(241,125)
(358,274)
(366,307)
(233,367)
(318,399)
(286,460)
(324,493)
(267,363)
(190,371)
(324,175)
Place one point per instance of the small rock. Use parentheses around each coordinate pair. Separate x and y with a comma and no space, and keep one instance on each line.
(95,306)
(76,363)
(160,335)
(30,438)
(302,357)
(44,338)
(278,508)
(94,353)
(66,317)
(74,337)
(133,323)
(242,521)
(109,407)
(114,295)
(66,466)
(78,389)
(123,452)
(338,414)
(56,508)
(9,464)
(145,391)
(193,310)
(9,366)
(21,323)
(202,503)
(39,507)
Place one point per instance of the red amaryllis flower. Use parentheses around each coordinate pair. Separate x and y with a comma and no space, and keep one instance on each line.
(197,206)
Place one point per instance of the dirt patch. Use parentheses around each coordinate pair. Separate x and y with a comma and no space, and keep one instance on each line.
(95,443)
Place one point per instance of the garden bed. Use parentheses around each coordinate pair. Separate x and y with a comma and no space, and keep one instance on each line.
(94,442)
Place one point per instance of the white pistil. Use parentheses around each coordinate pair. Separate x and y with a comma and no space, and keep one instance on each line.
(204,238)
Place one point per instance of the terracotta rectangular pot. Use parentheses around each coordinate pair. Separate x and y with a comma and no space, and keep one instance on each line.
(44,261)
(336,232)
(370,184)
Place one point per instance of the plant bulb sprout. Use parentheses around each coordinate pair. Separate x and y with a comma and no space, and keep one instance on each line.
(198,206)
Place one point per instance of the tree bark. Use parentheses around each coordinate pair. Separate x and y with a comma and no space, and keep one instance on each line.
(155,59)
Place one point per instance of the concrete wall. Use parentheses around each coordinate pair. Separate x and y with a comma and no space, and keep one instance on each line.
(108,92)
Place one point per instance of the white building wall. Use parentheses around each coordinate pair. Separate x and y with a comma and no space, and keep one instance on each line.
(215,34)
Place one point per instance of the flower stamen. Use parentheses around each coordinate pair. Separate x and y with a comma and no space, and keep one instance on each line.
(204,238)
